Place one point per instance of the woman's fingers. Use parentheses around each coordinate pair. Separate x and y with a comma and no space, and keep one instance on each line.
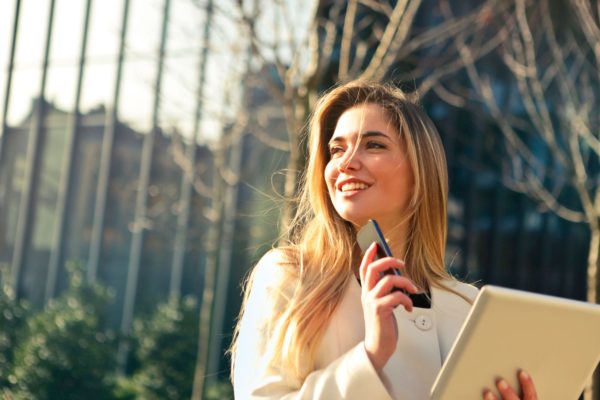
(508,393)
(367,259)
(377,286)
(527,386)
(369,263)
(386,284)
(489,395)
(375,269)
(505,390)
(391,300)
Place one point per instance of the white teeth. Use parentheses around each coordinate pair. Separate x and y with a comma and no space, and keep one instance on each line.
(353,186)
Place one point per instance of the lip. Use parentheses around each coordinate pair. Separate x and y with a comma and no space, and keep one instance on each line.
(341,184)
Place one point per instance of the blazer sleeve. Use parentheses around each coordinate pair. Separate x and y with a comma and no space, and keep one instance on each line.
(255,376)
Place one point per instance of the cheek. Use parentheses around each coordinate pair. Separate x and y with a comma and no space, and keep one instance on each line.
(400,180)
(330,175)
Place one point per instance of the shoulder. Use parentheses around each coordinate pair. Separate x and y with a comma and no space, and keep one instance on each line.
(267,291)
(461,289)
(275,265)
(467,289)
(274,274)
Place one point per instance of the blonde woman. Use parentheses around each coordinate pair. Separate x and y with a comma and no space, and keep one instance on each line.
(319,319)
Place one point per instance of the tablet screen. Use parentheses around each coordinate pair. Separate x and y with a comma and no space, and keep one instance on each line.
(557,341)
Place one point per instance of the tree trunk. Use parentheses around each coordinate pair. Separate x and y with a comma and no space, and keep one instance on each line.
(592,269)
(296,110)
(210,279)
(592,390)
(291,183)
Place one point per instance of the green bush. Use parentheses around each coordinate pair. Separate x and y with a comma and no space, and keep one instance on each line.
(63,351)
(13,316)
(66,354)
(166,347)
(220,390)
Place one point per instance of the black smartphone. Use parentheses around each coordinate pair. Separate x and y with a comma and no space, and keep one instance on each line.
(372,233)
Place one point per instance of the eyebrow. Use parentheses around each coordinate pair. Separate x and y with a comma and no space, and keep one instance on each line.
(367,134)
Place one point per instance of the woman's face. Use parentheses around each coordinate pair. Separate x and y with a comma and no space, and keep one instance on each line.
(368,175)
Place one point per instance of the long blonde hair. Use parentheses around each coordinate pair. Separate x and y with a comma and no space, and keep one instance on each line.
(322,246)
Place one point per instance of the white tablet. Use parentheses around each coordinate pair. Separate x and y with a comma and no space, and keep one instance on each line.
(557,341)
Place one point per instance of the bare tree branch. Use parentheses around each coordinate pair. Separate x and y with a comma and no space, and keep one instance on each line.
(378,6)
(347,34)
(558,80)
(395,32)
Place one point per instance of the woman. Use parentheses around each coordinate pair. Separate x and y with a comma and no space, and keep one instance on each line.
(319,319)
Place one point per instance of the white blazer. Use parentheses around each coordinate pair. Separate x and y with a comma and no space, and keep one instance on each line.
(343,369)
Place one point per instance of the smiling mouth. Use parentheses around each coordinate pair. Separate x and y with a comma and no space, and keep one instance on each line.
(353,186)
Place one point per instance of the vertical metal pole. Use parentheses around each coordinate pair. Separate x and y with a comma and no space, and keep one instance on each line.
(470,249)
(522,243)
(67,168)
(210,273)
(141,202)
(188,177)
(217,269)
(106,157)
(210,278)
(225,256)
(566,275)
(5,178)
(9,73)
(34,152)
(545,250)
(497,273)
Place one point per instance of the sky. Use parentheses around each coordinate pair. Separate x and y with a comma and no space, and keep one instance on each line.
(180,80)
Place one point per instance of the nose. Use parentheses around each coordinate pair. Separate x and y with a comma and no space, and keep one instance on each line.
(350,161)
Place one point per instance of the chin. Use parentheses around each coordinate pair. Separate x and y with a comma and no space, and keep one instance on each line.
(357,220)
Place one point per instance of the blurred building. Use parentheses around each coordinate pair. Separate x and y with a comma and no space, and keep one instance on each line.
(160,224)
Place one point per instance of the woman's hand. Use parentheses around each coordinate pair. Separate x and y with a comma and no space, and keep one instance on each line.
(527,388)
(378,301)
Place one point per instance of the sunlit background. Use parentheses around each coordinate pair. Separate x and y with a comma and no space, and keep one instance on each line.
(147,149)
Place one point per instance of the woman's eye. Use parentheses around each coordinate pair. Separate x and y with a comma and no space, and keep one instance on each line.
(335,150)
(374,145)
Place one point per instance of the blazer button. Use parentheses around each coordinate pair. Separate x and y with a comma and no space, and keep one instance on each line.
(423,322)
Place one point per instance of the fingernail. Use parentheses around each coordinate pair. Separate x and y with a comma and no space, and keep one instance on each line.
(524,375)
(502,385)
(488,395)
(401,262)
